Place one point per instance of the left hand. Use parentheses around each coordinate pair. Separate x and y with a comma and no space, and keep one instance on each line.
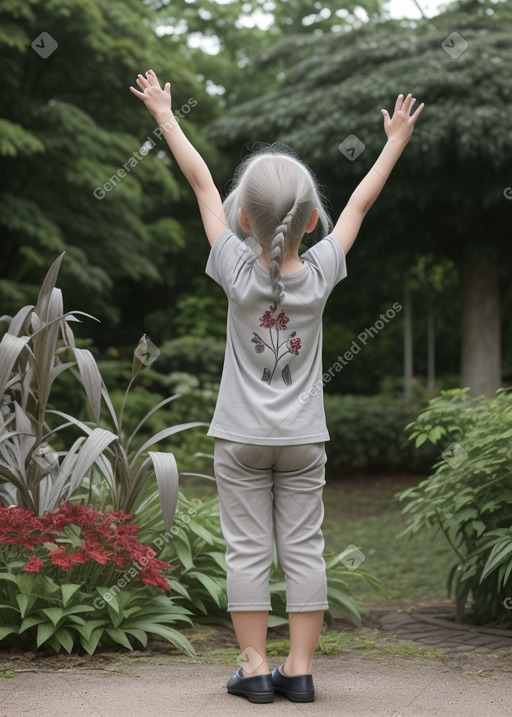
(401,125)
(156,99)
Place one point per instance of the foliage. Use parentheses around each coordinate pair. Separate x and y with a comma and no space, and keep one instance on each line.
(30,472)
(469,496)
(64,578)
(83,133)
(233,52)
(333,88)
(367,434)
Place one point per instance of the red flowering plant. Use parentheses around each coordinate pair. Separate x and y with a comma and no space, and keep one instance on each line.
(76,561)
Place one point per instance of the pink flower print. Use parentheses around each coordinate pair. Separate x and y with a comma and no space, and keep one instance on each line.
(293,346)
(278,347)
(269,320)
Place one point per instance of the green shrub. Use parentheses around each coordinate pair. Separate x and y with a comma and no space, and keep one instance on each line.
(469,497)
(367,433)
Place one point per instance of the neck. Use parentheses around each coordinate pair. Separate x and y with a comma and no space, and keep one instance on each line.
(291,261)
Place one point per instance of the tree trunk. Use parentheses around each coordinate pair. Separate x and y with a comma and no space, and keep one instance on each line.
(481,338)
(408,349)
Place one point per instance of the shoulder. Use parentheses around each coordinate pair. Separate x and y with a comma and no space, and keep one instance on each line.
(328,258)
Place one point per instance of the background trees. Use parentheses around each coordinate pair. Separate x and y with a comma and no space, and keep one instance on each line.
(83,171)
(311,76)
(446,198)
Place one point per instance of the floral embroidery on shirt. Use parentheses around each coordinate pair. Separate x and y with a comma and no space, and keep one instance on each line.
(291,344)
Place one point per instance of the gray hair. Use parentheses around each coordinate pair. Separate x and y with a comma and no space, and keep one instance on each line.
(278,194)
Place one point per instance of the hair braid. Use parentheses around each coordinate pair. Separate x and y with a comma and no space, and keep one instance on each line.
(277,251)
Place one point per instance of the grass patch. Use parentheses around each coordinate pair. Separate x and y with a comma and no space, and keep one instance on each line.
(366,513)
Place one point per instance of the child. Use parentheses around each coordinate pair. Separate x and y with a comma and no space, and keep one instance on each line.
(269,429)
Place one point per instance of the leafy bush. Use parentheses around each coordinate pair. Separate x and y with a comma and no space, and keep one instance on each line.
(469,496)
(38,347)
(367,433)
(76,563)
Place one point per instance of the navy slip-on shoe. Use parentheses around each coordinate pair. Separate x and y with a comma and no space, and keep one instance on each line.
(258,688)
(298,688)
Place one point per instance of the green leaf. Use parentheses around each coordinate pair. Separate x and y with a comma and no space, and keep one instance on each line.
(212,586)
(55,614)
(30,621)
(68,590)
(91,644)
(25,602)
(173,636)
(8,576)
(118,636)
(44,631)
(183,551)
(109,597)
(88,627)
(65,638)
(140,635)
(7,630)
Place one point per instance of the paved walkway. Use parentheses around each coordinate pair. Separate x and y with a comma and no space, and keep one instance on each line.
(436,630)
(472,680)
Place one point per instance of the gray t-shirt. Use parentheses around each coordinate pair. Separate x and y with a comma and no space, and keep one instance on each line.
(271,386)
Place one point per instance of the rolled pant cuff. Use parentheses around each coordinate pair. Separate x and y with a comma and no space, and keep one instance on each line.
(249,607)
(309,607)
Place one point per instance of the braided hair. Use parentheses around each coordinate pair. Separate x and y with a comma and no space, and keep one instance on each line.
(278,194)
(277,251)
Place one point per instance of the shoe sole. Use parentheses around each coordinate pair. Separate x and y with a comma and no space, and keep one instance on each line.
(257,697)
(295,696)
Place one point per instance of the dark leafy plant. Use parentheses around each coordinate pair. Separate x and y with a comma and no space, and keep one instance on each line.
(79,578)
(469,496)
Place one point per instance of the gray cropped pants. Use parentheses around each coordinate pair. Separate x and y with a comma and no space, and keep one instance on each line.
(267,492)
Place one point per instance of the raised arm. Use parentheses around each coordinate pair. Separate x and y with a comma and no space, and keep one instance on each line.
(398,130)
(193,166)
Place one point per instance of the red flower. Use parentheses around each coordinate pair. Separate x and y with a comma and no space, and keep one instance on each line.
(106,539)
(33,564)
(62,559)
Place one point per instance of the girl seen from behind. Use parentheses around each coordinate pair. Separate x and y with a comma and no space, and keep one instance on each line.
(269,429)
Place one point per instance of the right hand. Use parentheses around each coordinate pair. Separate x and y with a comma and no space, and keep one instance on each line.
(401,125)
(156,99)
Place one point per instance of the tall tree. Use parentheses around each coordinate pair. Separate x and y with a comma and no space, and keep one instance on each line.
(447,195)
(83,171)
